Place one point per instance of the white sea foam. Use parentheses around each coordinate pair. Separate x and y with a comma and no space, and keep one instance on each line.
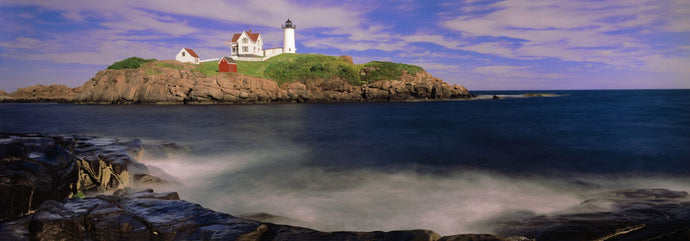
(365,200)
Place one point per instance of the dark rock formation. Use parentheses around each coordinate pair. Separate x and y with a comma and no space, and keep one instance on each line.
(639,214)
(481,237)
(177,83)
(152,216)
(35,168)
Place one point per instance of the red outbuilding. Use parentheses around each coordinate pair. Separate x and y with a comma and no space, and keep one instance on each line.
(226,64)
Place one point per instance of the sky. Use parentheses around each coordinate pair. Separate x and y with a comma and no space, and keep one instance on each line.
(482,45)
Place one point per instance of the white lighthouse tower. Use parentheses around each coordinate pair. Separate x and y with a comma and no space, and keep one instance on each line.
(289,37)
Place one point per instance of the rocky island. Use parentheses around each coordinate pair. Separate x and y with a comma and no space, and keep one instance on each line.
(283,79)
(65,187)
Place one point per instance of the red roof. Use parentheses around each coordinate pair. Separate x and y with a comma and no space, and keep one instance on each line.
(253,36)
(191,52)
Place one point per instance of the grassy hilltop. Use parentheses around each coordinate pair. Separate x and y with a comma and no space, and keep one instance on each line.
(287,68)
(290,67)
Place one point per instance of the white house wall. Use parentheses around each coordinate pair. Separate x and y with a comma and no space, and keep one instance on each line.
(252,48)
(187,58)
(272,52)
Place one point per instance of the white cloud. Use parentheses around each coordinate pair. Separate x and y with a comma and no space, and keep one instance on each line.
(515,72)
(606,32)
(347,45)
(667,64)
(435,39)
(141,20)
(73,15)
(498,69)
(26,43)
(162,19)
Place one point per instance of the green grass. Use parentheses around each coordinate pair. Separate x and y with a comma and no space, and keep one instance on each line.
(251,68)
(381,70)
(207,68)
(287,68)
(130,63)
(168,65)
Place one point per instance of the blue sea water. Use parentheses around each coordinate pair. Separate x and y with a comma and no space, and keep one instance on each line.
(332,166)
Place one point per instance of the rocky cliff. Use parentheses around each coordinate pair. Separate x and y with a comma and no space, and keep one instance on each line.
(171,82)
(40,93)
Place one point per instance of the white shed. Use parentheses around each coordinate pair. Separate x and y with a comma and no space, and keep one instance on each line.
(187,55)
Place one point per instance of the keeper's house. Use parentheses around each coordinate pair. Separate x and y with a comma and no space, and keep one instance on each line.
(247,44)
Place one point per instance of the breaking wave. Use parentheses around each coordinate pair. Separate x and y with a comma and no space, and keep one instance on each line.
(259,184)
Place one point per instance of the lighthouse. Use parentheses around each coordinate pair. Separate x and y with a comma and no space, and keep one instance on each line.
(289,37)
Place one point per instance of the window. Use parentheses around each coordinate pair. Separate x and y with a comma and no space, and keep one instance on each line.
(244,40)
(182,54)
(245,49)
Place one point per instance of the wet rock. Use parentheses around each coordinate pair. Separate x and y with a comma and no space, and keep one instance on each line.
(33,169)
(481,237)
(153,216)
(147,179)
(106,163)
(636,214)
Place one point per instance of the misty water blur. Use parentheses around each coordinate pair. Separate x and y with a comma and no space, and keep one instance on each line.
(446,166)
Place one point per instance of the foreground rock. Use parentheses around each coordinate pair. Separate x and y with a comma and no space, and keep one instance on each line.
(152,216)
(637,214)
(171,82)
(36,168)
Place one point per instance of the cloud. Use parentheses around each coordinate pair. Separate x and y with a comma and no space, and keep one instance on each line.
(137,23)
(513,73)
(21,43)
(347,45)
(607,32)
(435,39)
(667,64)
(142,21)
(503,70)
(73,15)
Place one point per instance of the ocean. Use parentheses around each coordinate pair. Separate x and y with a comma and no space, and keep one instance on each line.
(448,166)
